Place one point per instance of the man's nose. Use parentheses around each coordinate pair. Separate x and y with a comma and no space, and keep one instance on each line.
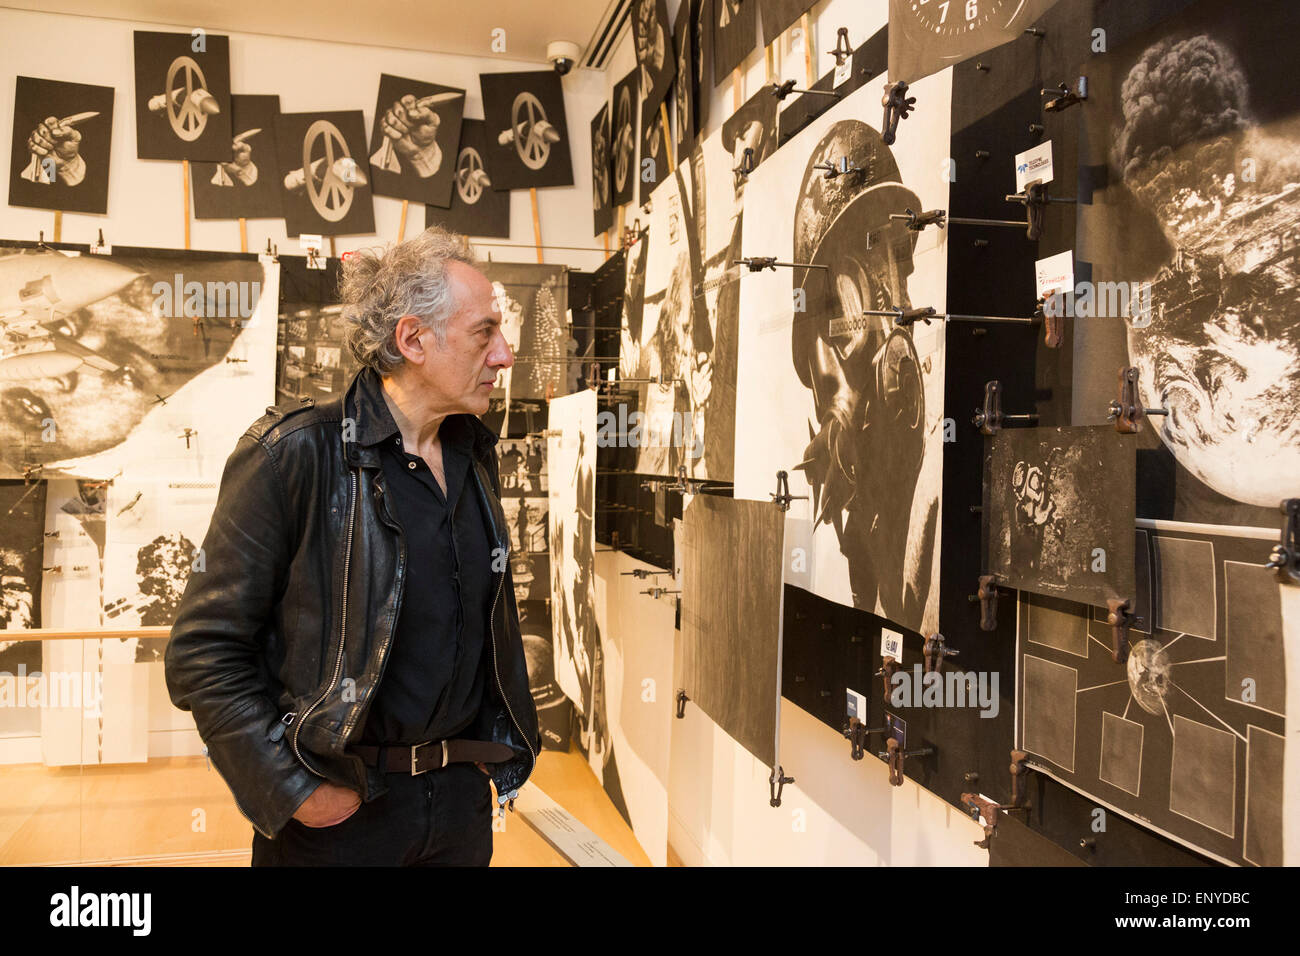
(502,356)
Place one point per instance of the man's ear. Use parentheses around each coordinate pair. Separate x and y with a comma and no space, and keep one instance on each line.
(409,341)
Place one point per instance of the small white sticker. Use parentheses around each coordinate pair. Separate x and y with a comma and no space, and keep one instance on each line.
(891,644)
(857,704)
(105,250)
(843,72)
(1054,274)
(1034,166)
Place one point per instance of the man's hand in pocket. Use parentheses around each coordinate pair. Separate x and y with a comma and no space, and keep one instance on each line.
(329,805)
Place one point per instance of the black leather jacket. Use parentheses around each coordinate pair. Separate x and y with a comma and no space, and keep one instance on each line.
(281,639)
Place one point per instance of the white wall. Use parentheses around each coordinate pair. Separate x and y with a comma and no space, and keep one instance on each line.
(145,199)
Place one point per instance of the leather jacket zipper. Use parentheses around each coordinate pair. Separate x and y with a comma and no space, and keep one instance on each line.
(492,625)
(343,629)
(350,721)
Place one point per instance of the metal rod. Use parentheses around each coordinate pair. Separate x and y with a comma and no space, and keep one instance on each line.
(1020,198)
(991,318)
(788,265)
(530,245)
(967,221)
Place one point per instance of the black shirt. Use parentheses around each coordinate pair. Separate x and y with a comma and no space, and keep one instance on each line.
(433,681)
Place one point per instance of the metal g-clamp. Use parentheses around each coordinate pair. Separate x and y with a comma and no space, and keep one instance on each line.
(987,595)
(775,784)
(889,667)
(936,651)
(897,106)
(917,221)
(842,49)
(1285,556)
(1065,97)
(782,498)
(990,419)
(1127,411)
(894,753)
(1119,616)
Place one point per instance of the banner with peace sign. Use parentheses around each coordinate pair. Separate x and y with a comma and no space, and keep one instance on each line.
(182,96)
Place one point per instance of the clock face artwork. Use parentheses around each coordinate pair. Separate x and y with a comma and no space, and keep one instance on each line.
(927,35)
(941,19)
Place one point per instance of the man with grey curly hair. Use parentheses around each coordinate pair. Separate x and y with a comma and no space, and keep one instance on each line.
(351,652)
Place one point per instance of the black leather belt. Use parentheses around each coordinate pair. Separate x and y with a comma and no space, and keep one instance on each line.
(432,755)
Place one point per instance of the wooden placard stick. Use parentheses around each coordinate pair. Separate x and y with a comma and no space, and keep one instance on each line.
(537,222)
(605,236)
(737,87)
(185,201)
(401,223)
(333,254)
(769,54)
(668,136)
(243,234)
(58,225)
(622,223)
(805,24)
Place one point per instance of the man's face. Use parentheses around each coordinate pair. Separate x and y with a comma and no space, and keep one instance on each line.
(462,373)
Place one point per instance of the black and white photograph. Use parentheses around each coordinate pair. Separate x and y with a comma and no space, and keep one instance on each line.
(731,624)
(702,59)
(155,530)
(477,209)
(682,327)
(528,137)
(22,541)
(1186,736)
(779,15)
(924,38)
(571,475)
(1198,221)
(144,357)
(579,656)
(735,35)
(182,96)
(602,172)
(623,145)
(824,391)
(248,186)
(324,173)
(63,136)
(534,303)
(684,92)
(529,528)
(653,162)
(1052,524)
(654,51)
(554,710)
(522,463)
(312,360)
(414,140)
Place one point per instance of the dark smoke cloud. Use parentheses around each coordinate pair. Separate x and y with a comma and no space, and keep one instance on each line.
(1178,93)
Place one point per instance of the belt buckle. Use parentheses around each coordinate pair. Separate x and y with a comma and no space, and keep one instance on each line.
(415,771)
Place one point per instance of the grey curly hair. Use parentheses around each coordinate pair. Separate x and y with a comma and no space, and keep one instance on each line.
(379,286)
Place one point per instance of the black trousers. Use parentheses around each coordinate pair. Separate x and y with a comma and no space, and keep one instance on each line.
(439,818)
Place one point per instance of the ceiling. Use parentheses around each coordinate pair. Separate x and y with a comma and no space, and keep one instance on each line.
(437,26)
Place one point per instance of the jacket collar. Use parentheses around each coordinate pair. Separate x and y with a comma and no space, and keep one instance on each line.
(367,422)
